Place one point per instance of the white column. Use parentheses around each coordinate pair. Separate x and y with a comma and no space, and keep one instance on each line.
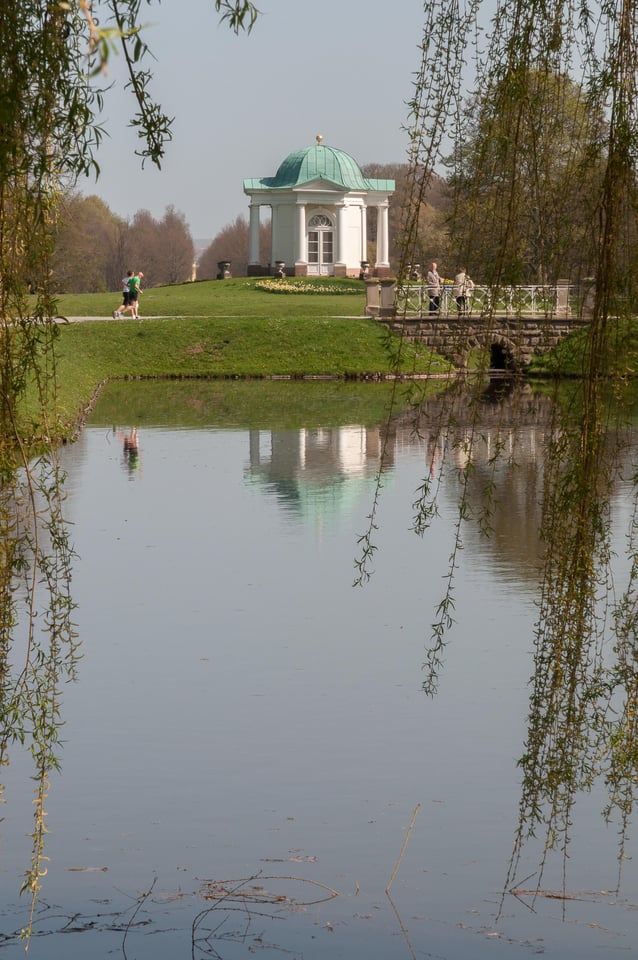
(302,254)
(274,233)
(341,233)
(253,241)
(382,236)
(364,232)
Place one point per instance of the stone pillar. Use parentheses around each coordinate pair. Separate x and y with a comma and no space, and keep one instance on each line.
(253,239)
(364,233)
(386,298)
(588,297)
(372,298)
(274,232)
(340,258)
(301,263)
(562,299)
(382,264)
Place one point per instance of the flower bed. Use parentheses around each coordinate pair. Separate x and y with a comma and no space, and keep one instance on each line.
(302,286)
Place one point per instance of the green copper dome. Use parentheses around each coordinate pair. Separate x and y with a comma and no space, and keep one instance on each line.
(319,162)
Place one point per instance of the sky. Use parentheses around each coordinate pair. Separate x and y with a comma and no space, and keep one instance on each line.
(340,68)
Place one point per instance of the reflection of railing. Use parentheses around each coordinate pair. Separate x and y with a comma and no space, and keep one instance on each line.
(557,300)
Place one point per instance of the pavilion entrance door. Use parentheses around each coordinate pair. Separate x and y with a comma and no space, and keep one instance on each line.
(320,246)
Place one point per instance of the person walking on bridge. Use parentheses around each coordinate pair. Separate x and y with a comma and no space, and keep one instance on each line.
(462,291)
(433,281)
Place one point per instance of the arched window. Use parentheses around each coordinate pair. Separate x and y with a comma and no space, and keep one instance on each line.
(319,220)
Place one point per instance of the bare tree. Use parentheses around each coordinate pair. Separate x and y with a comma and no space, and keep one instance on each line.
(163,249)
(143,246)
(177,250)
(231,243)
(86,243)
(431,242)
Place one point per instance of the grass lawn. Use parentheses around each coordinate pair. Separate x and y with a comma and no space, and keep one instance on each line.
(224,329)
(569,358)
(226,298)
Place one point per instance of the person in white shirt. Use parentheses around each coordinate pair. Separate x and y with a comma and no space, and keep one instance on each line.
(461,291)
(433,281)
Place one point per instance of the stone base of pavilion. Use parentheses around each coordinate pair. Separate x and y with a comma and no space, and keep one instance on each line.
(301,270)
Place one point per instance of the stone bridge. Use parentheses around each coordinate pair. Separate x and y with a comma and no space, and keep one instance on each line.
(513,324)
(511,342)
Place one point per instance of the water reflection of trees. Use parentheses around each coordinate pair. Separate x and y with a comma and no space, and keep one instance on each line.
(580,725)
(510,532)
(38,648)
(555,465)
(582,705)
(583,718)
(523,454)
(321,465)
(492,458)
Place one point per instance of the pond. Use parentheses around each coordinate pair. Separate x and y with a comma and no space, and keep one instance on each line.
(250,761)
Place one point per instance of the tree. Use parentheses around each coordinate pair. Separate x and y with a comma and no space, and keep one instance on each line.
(552,137)
(582,711)
(431,240)
(93,248)
(86,241)
(49,128)
(177,251)
(231,243)
(163,249)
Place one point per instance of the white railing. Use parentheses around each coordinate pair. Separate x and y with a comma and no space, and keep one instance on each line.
(558,300)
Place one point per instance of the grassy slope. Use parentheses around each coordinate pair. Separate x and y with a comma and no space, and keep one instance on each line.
(228,298)
(221,329)
(569,357)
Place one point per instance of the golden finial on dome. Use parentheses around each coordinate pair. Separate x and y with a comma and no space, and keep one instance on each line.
(319,138)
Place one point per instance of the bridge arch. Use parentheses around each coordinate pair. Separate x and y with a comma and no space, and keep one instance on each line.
(511,342)
(503,355)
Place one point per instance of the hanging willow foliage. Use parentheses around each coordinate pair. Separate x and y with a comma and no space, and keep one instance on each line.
(51,52)
(533,115)
(45,135)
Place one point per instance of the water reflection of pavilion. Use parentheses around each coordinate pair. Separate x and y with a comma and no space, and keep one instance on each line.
(312,470)
(317,473)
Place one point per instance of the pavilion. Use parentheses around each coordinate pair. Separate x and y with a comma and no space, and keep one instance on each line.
(319,202)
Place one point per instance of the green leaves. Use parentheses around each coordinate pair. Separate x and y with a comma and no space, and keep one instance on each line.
(240,15)
(51,54)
